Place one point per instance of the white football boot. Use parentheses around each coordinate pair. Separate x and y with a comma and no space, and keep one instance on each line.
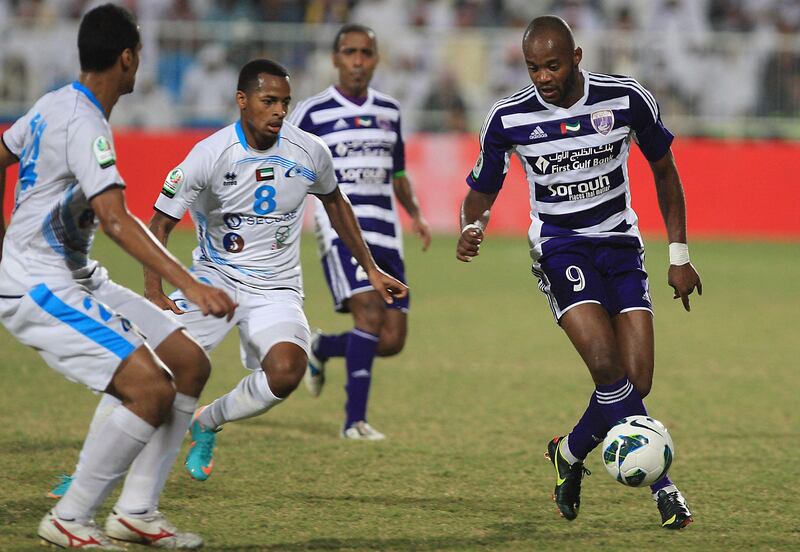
(362,431)
(71,534)
(153,530)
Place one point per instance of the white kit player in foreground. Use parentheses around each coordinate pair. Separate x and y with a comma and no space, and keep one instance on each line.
(245,187)
(56,299)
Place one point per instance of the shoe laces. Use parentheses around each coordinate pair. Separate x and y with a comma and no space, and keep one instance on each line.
(205,442)
(576,473)
(162,520)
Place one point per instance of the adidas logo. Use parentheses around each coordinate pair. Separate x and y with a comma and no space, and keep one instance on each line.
(537,134)
(340,124)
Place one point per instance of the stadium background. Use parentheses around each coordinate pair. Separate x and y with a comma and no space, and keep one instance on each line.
(486,377)
(726,74)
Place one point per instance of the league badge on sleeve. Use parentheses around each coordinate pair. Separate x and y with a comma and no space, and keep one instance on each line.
(173,182)
(603,121)
(476,170)
(103,152)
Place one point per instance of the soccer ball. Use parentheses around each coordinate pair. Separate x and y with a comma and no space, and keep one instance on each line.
(638,451)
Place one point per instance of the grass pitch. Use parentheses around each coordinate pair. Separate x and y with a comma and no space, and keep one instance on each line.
(485,380)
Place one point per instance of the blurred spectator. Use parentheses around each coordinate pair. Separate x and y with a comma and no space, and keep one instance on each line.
(231,10)
(180,10)
(328,11)
(281,11)
(444,108)
(174,59)
(13,79)
(729,15)
(150,106)
(581,15)
(780,95)
(208,89)
(671,46)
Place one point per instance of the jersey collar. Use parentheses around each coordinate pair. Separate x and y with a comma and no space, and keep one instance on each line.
(343,100)
(88,93)
(577,104)
(243,139)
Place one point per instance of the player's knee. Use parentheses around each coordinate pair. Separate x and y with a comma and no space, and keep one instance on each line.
(605,368)
(370,315)
(196,365)
(187,361)
(153,399)
(391,344)
(284,375)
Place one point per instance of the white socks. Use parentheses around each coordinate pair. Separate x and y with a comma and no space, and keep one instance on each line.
(105,459)
(251,397)
(149,472)
(104,409)
(566,453)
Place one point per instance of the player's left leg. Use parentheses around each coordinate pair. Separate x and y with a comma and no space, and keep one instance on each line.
(135,517)
(634,332)
(393,334)
(274,338)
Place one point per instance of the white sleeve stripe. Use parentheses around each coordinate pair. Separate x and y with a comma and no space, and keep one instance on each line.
(631,84)
(629,81)
(303,107)
(519,97)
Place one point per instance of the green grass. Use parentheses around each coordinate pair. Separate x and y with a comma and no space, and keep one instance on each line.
(485,380)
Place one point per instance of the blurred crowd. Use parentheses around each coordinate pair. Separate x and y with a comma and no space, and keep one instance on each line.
(716,66)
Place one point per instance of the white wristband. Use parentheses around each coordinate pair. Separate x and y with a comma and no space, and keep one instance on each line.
(678,254)
(473,226)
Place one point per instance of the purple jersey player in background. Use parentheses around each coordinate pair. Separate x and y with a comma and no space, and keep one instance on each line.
(572,131)
(361,126)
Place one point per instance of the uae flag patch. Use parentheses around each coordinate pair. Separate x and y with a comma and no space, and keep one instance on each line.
(265,173)
(572,126)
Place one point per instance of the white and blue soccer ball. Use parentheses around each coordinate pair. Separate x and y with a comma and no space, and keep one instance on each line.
(638,451)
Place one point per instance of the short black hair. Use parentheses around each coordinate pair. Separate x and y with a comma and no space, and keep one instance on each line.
(546,24)
(105,32)
(353,28)
(248,76)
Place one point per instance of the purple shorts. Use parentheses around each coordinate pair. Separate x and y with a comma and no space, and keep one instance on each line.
(602,271)
(345,276)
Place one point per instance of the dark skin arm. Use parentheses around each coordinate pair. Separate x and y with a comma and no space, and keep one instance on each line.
(474,219)
(684,278)
(161,226)
(131,235)
(344,221)
(405,195)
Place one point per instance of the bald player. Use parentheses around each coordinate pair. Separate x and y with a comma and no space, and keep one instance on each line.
(572,131)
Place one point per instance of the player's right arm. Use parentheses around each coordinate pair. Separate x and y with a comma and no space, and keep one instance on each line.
(161,226)
(485,181)
(132,236)
(474,218)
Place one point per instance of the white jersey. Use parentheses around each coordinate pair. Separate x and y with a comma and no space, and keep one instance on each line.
(66,156)
(247,205)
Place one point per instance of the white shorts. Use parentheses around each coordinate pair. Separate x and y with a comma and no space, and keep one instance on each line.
(263,317)
(84,329)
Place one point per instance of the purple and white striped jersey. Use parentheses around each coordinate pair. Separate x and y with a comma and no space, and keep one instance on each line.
(575,158)
(367,148)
